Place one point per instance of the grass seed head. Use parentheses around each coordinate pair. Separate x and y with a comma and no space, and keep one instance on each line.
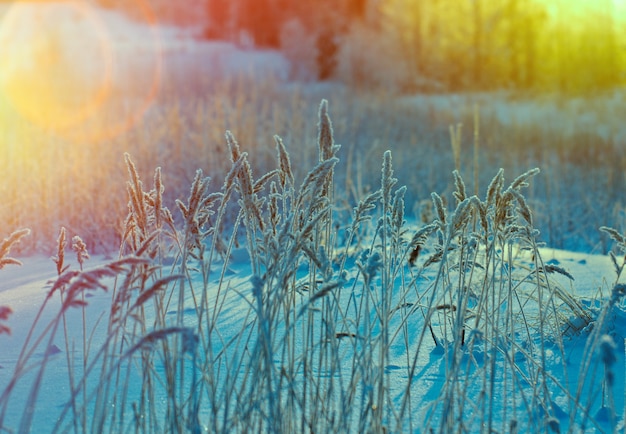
(495,186)
(439,208)
(79,246)
(60,256)
(521,181)
(374,264)
(5,312)
(158,197)
(615,236)
(387,180)
(326,141)
(233,146)
(397,212)
(364,207)
(6,245)
(459,194)
(461,215)
(284,163)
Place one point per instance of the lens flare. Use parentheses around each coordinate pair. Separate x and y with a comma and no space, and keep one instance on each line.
(65,69)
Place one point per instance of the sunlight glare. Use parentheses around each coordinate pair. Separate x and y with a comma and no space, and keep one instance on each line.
(61,68)
(55,64)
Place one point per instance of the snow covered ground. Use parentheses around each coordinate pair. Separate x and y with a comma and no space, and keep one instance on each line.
(25,288)
(568,116)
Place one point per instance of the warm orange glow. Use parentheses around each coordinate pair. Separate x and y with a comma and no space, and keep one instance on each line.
(61,68)
(42,75)
(564,46)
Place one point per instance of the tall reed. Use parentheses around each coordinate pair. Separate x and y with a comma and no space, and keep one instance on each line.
(257,306)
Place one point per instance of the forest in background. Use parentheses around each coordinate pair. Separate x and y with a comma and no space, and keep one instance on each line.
(72,105)
(570,47)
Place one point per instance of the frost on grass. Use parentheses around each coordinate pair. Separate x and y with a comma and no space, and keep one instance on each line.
(335,325)
(7,243)
(5,259)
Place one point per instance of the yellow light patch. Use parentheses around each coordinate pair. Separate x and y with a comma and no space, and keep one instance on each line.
(55,68)
(61,68)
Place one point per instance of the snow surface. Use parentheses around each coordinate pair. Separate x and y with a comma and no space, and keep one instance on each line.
(25,288)
(571,116)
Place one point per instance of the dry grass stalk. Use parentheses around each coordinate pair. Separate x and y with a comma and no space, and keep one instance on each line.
(7,243)
(455,140)
(457,280)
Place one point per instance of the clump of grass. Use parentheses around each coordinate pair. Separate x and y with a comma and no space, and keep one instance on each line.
(70,286)
(181,126)
(5,259)
(334,320)
(600,351)
(492,295)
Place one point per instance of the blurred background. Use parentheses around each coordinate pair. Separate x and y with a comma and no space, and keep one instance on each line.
(522,83)
(573,46)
